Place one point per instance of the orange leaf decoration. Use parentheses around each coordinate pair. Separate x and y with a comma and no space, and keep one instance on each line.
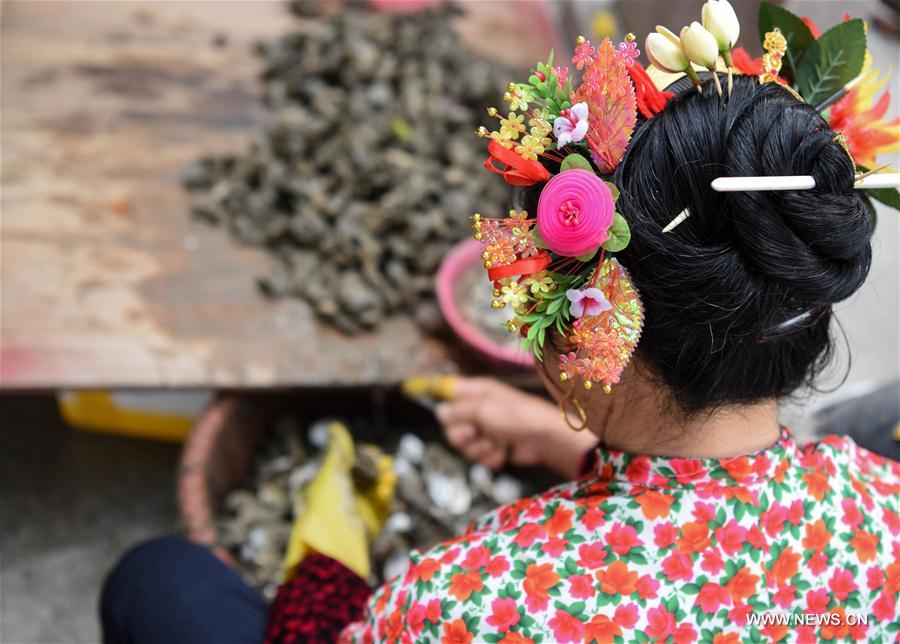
(612,109)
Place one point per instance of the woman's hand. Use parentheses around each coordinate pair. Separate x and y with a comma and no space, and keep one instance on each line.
(496,424)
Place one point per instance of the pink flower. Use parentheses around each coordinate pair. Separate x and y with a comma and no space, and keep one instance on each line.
(664,535)
(593,518)
(575,212)
(584,54)
(476,558)
(555,546)
(528,534)
(818,563)
(626,616)
(566,628)
(842,584)
(874,578)
(622,538)
(591,555)
(785,596)
(687,470)
(590,301)
(660,623)
(739,613)
(571,125)
(562,74)
(505,614)
(883,607)
(704,512)
(731,537)
(638,469)
(684,634)
(852,516)
(647,587)
(627,51)
(678,566)
(712,561)
(582,586)
(497,566)
(817,601)
(710,597)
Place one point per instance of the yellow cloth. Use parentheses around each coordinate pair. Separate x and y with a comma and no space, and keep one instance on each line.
(336,519)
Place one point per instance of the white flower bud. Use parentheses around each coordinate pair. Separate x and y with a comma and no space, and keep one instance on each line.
(664,53)
(700,45)
(720,20)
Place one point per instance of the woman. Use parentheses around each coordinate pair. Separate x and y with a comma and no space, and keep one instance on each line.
(699,518)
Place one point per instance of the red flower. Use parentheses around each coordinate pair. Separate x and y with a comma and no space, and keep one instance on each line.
(817,536)
(742,585)
(660,623)
(555,547)
(785,567)
(712,561)
(463,584)
(591,555)
(796,512)
(617,579)
(515,638)
(883,608)
(694,537)
(731,537)
(505,614)
(818,563)
(655,504)
(451,555)
(528,534)
(566,628)
(647,587)
(582,586)
(874,577)
(842,584)
(687,470)
(817,601)
(415,617)
(785,596)
(678,565)
(756,539)
(704,512)
(622,538)
(517,170)
(593,518)
(710,597)
(739,613)
(626,616)
(455,632)
(638,470)
(738,468)
(773,519)
(425,569)
(433,611)
(664,535)
(865,544)
(476,558)
(684,634)
(497,566)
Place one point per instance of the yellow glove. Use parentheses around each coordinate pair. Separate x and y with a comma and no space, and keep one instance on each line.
(335,518)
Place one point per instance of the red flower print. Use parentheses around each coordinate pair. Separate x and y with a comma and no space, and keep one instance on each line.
(655,504)
(678,565)
(451,555)
(835,629)
(816,484)
(761,464)
(806,635)
(841,584)
(817,536)
(560,522)
(593,518)
(712,561)
(463,584)
(395,625)
(742,585)
(785,596)
(516,638)
(476,558)
(785,567)
(738,468)
(684,634)
(660,623)
(626,616)
(647,587)
(710,597)
(687,470)
(874,578)
(739,613)
(591,555)
(497,566)
(566,628)
(528,534)
(638,470)
(555,547)
(704,512)
(892,519)
(582,586)
(538,580)
(694,537)
(505,614)
(884,607)
(617,579)
(817,601)
(775,632)
(664,535)
(433,611)
(818,563)
(893,579)
(731,537)
(796,512)
(622,538)
(425,569)
(773,519)
(756,539)
(865,544)
(455,632)
(601,629)
(726,638)
(415,618)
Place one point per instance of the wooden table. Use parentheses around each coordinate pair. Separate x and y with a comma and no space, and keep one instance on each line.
(106,282)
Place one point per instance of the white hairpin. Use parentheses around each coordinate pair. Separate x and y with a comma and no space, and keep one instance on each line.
(798,182)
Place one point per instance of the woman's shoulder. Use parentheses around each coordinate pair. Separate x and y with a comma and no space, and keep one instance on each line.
(863,470)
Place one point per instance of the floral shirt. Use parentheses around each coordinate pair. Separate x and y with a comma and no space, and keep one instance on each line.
(669,549)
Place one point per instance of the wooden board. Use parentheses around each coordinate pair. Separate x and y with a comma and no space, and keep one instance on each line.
(106,282)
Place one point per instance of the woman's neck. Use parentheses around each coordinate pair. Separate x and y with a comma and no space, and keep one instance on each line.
(635,422)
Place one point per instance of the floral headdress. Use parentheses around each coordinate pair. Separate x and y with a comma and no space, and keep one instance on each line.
(557,267)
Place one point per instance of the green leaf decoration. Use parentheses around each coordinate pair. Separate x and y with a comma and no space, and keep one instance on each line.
(575,161)
(799,37)
(537,238)
(619,234)
(887,196)
(831,62)
(613,189)
(587,256)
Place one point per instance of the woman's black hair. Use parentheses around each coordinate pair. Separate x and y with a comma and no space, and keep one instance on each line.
(743,261)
